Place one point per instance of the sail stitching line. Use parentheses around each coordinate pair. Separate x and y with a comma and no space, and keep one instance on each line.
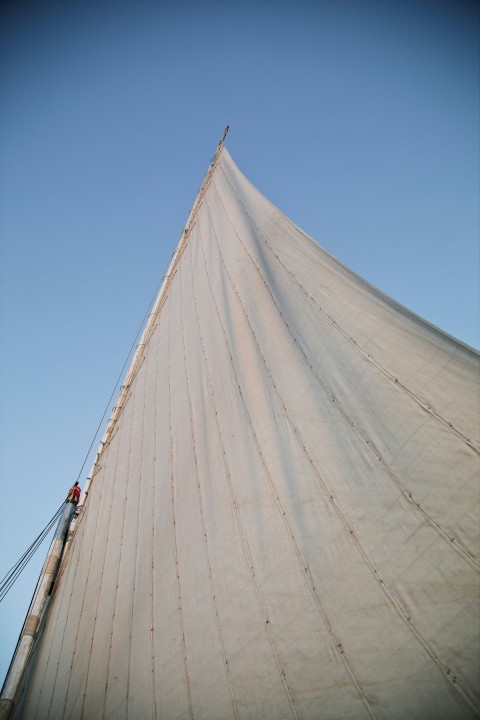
(340,651)
(246,549)
(201,507)
(153,521)
(140,487)
(402,487)
(174,529)
(104,485)
(330,497)
(124,510)
(428,408)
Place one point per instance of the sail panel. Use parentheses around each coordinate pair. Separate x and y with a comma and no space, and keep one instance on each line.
(282,523)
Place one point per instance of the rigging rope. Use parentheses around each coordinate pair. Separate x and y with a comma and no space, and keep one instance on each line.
(9,579)
(120,375)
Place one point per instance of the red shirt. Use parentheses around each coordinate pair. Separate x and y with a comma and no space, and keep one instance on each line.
(73,494)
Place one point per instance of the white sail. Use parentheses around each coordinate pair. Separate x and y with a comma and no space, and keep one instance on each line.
(283,521)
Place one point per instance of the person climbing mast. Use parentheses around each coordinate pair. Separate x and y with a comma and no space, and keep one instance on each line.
(73,494)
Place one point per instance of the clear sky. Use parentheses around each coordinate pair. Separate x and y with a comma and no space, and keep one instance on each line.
(360,120)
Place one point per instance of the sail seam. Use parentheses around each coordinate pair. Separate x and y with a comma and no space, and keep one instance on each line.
(174,526)
(394,380)
(98,595)
(462,552)
(140,487)
(124,510)
(154,528)
(339,650)
(110,516)
(201,508)
(330,498)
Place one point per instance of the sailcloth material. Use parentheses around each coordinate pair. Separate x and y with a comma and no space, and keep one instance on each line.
(283,522)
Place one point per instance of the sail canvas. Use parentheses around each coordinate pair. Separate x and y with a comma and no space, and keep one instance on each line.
(282,520)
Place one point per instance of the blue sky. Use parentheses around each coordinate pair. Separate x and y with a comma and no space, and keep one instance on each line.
(360,120)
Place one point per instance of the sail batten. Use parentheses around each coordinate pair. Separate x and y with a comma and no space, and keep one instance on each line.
(282,521)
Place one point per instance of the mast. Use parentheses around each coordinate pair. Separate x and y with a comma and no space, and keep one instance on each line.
(35,613)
